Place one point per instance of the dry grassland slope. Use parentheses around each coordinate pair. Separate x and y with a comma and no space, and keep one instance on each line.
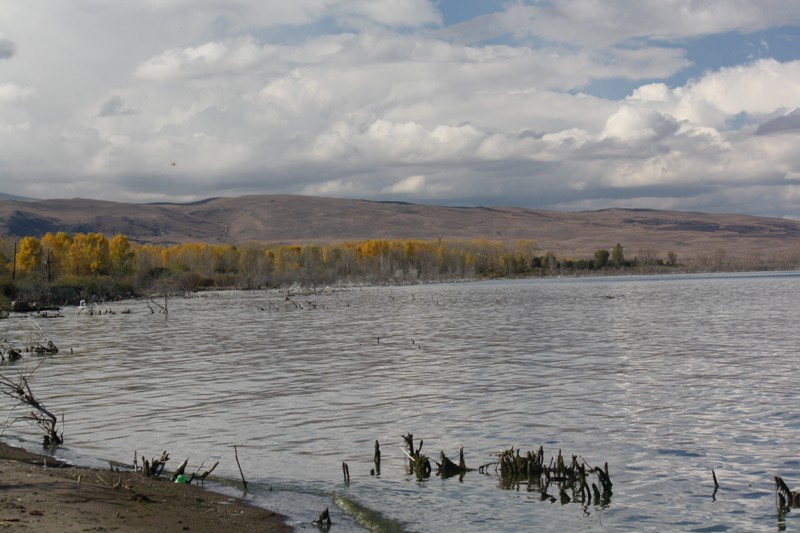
(300,219)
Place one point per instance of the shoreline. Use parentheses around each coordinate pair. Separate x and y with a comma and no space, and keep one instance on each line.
(40,493)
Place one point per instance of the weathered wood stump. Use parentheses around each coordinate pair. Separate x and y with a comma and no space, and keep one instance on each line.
(786,498)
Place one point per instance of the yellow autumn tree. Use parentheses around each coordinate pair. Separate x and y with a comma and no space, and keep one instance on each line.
(5,255)
(89,254)
(147,258)
(120,254)
(168,256)
(409,251)
(287,259)
(57,247)
(29,254)
(199,257)
(226,258)
(372,248)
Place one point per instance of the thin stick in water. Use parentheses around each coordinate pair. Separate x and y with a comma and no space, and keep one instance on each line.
(236,454)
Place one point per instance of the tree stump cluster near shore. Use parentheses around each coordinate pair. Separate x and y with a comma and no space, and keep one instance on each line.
(572,480)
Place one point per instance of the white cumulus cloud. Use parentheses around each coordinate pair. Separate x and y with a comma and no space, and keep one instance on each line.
(568,104)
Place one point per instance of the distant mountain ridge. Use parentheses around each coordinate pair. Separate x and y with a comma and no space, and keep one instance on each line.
(287,219)
(4,196)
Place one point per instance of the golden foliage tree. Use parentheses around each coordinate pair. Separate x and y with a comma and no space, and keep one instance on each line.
(57,246)
(29,254)
(120,254)
(89,254)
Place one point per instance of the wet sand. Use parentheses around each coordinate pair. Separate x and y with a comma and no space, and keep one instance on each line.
(39,494)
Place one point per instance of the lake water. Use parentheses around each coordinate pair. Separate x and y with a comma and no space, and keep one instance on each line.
(663,378)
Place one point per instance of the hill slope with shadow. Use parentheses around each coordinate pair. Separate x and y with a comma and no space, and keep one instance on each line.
(286,219)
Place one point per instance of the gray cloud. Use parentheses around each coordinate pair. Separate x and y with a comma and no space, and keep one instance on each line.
(625,22)
(787,123)
(115,106)
(7,48)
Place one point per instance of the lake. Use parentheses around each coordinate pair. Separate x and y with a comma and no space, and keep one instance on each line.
(664,378)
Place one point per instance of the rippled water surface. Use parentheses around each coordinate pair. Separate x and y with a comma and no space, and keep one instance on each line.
(664,378)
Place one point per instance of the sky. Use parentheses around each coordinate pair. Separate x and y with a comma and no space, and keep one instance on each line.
(560,104)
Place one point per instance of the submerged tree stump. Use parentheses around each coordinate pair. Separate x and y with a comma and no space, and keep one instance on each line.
(418,464)
(376,458)
(447,468)
(571,479)
(785,497)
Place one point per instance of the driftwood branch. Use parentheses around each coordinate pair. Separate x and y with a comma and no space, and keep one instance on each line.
(236,455)
(20,391)
(161,308)
(155,466)
(180,470)
(202,477)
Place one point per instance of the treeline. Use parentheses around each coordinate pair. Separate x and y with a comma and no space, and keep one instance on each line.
(100,267)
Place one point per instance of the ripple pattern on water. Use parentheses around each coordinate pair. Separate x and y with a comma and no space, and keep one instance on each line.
(663,378)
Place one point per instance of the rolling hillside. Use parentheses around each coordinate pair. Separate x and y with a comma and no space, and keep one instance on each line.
(301,219)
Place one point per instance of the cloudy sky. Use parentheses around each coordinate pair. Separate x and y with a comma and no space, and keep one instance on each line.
(561,104)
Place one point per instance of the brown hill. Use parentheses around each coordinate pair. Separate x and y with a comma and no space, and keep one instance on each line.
(302,219)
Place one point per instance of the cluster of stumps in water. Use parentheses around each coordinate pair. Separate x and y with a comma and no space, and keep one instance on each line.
(574,480)
(12,354)
(571,480)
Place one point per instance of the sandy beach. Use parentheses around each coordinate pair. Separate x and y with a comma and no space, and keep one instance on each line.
(39,494)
